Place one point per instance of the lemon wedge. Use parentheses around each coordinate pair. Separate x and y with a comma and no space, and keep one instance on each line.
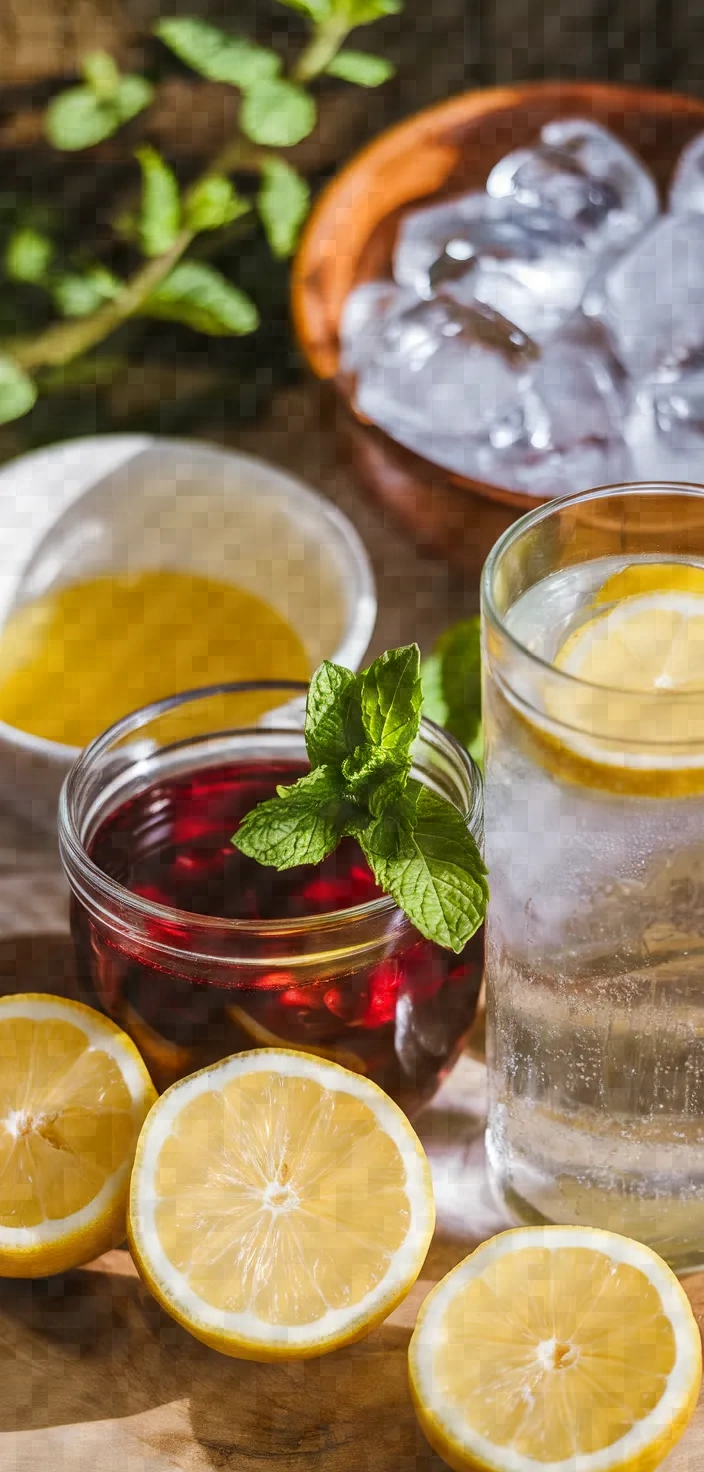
(556,1349)
(280,1205)
(632,717)
(74,1094)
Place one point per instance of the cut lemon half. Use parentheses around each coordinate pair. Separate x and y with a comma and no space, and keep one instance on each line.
(74,1094)
(556,1349)
(280,1205)
(632,715)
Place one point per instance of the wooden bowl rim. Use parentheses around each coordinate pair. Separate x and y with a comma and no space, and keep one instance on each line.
(417,128)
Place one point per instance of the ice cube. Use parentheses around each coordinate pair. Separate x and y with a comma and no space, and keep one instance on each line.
(585,174)
(687,187)
(443,369)
(363,320)
(572,415)
(528,264)
(653,297)
(665,428)
(467,390)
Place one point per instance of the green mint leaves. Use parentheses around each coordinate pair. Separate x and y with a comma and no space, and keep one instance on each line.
(360,731)
(18,393)
(452,685)
(200,297)
(435,873)
(283,202)
(361,68)
(84,116)
(216,54)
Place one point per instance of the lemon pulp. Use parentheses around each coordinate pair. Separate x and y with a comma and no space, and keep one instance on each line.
(73,1096)
(79,658)
(279,1204)
(552,1345)
(67,1120)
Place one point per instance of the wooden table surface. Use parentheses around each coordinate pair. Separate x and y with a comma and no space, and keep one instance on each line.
(93,1376)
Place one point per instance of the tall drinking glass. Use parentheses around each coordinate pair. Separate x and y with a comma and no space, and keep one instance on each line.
(593,626)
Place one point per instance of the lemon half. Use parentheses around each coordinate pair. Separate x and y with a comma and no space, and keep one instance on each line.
(280,1205)
(74,1093)
(556,1349)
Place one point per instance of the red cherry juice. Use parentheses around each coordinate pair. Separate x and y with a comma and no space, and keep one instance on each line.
(401,1020)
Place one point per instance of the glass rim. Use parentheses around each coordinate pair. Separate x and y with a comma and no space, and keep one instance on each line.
(533,518)
(71,844)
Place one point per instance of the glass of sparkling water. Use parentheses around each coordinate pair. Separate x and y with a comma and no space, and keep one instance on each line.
(593,625)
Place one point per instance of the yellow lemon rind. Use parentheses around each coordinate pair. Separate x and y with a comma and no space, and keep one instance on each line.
(463,1458)
(107,1227)
(227,1341)
(619,779)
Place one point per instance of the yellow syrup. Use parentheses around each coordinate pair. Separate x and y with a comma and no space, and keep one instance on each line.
(79,658)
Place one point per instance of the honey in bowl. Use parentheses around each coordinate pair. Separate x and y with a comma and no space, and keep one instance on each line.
(82,656)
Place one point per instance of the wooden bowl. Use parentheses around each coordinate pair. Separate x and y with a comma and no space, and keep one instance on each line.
(349,239)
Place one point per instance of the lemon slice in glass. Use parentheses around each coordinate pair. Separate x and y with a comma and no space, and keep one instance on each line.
(556,1349)
(633,711)
(74,1094)
(280,1205)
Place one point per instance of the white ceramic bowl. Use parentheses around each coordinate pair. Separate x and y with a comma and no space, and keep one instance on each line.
(127,502)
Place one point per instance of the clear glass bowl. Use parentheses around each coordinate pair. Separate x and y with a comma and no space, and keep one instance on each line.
(127,502)
(321,963)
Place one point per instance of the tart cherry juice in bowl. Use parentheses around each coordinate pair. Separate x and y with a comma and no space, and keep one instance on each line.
(199,951)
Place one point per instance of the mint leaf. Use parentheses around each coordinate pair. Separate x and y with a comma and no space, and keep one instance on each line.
(354,12)
(392,697)
(78,119)
(434,706)
(28,255)
(277,113)
(362,12)
(435,873)
(283,202)
(200,297)
(300,826)
(217,55)
(333,715)
(18,393)
(452,684)
(360,67)
(78,294)
(375,778)
(101,74)
(160,209)
(212,203)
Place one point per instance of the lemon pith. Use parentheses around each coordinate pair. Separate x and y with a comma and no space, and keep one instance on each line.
(280,1205)
(556,1349)
(74,1093)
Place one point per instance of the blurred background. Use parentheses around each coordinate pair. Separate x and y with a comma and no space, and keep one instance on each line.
(439,48)
(186,383)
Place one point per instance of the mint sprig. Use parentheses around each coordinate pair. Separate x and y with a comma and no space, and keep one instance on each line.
(359,732)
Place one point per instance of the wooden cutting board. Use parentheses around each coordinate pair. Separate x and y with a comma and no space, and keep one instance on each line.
(94,1378)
